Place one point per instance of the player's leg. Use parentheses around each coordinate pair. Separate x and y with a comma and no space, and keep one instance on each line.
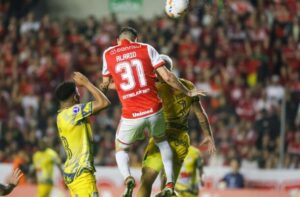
(152,165)
(44,190)
(179,143)
(148,177)
(84,186)
(122,158)
(157,129)
(129,131)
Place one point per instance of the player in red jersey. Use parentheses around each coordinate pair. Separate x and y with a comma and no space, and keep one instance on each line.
(132,66)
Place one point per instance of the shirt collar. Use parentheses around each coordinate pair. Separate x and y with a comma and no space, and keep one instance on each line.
(125,42)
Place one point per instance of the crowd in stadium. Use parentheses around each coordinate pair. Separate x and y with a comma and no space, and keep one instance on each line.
(245,55)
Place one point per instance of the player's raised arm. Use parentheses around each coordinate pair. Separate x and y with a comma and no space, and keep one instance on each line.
(101,101)
(205,126)
(174,82)
(12,182)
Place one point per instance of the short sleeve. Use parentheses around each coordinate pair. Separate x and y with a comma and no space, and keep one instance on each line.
(105,71)
(154,57)
(82,111)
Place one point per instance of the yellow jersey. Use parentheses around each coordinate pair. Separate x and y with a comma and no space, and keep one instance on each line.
(189,177)
(176,105)
(76,136)
(43,162)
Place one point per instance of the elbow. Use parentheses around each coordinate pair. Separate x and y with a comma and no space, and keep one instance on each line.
(106,103)
(100,105)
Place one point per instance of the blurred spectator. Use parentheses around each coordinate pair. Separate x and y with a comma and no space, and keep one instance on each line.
(234,179)
(21,162)
(245,54)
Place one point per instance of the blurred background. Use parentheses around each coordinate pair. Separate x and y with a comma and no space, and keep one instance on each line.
(244,53)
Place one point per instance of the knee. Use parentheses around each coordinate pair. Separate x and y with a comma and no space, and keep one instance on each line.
(148,179)
(121,147)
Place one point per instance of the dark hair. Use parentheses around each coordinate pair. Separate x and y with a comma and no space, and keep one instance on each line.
(65,90)
(129,31)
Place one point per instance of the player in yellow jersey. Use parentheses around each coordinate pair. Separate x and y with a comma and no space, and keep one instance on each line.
(76,134)
(44,161)
(176,107)
(189,178)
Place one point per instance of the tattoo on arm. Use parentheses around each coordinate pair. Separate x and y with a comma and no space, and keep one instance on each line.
(203,119)
(205,126)
(103,87)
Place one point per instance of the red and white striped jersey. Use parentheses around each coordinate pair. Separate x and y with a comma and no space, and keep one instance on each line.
(132,66)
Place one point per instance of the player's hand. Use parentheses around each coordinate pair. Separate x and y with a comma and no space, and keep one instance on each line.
(196,92)
(80,79)
(15,177)
(209,141)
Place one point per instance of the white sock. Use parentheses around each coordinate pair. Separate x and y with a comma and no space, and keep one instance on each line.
(122,159)
(167,159)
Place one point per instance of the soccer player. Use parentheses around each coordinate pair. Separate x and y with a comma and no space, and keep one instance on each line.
(189,178)
(76,134)
(132,66)
(13,181)
(176,110)
(43,162)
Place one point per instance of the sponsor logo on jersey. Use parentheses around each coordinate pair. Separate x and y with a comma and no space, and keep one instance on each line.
(137,114)
(76,109)
(122,49)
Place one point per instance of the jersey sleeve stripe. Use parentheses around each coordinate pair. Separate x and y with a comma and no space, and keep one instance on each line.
(123,142)
(159,64)
(105,71)
(106,74)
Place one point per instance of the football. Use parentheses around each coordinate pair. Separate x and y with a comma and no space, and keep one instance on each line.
(176,8)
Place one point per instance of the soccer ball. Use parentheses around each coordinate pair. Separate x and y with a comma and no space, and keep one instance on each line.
(176,8)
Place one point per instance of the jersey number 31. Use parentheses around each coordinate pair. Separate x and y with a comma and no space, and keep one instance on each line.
(126,70)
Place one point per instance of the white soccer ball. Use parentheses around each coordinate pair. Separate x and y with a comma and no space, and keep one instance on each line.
(176,8)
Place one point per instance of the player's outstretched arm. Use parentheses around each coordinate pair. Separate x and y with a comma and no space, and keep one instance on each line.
(12,182)
(101,101)
(205,126)
(173,81)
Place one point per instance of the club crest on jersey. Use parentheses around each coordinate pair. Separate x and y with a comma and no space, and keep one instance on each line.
(76,110)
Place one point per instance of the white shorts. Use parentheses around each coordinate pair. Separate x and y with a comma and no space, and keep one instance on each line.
(132,130)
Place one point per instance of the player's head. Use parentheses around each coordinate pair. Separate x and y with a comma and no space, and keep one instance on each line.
(66,92)
(42,144)
(128,33)
(235,164)
(168,61)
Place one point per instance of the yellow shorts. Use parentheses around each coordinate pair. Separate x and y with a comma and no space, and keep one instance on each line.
(44,190)
(186,194)
(179,141)
(186,191)
(84,186)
